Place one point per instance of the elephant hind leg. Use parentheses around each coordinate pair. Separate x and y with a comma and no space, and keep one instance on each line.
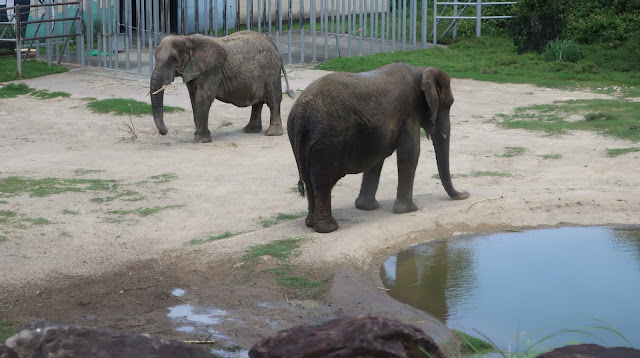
(323,221)
(275,122)
(255,122)
(311,198)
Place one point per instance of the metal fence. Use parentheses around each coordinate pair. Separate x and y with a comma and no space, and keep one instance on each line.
(122,34)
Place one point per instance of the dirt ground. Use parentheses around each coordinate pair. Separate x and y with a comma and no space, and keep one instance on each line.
(96,264)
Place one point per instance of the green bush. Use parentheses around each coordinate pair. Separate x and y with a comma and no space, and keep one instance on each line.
(611,22)
(537,23)
(563,50)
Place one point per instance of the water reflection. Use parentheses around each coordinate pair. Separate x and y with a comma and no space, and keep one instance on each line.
(538,281)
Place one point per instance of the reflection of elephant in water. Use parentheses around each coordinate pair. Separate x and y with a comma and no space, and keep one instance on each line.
(349,123)
(242,69)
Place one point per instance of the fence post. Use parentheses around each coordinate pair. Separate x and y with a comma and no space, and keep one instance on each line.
(18,41)
(478,17)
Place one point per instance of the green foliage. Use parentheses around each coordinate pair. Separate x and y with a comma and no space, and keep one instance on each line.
(471,344)
(280,249)
(492,58)
(30,69)
(620,151)
(122,106)
(45,94)
(280,217)
(563,50)
(12,186)
(6,330)
(621,120)
(12,90)
(537,22)
(14,219)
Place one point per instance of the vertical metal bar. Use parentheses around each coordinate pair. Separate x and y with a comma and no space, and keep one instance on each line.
(393,25)
(383,24)
(129,25)
(212,18)
(435,22)
(48,28)
(80,42)
(102,51)
(183,17)
(225,23)
(54,28)
(138,44)
(372,26)
(302,31)
(424,23)
(414,22)
(455,21)
(269,21)
(349,28)
(156,20)
(89,29)
(326,29)
(290,30)
(196,11)
(342,15)
(150,34)
(359,27)
(259,15)
(65,30)
(279,20)
(127,31)
(110,33)
(404,24)
(249,13)
(312,18)
(478,17)
(19,42)
(36,34)
(117,32)
(167,16)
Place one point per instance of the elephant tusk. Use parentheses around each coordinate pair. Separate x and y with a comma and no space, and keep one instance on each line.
(444,135)
(148,93)
(161,89)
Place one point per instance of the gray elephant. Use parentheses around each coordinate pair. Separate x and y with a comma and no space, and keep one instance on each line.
(242,69)
(346,123)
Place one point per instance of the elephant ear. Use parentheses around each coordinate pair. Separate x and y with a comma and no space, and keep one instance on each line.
(435,85)
(205,56)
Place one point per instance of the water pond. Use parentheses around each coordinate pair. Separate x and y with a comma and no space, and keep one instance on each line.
(522,287)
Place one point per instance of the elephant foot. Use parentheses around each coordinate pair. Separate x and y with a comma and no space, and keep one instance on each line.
(202,139)
(367,204)
(402,207)
(325,225)
(274,130)
(309,221)
(252,128)
(460,195)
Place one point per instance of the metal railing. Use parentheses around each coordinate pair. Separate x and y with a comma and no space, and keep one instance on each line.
(458,15)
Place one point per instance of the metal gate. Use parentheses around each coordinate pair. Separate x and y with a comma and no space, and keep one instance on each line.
(122,34)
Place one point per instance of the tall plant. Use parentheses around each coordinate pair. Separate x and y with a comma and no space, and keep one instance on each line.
(537,23)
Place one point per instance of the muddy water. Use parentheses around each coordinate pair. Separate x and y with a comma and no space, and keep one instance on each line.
(518,288)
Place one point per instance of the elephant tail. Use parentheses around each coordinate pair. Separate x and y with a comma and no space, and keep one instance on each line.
(286,80)
(301,187)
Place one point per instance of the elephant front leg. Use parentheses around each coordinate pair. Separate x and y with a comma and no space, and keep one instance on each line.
(200,104)
(370,179)
(255,122)
(408,153)
(275,122)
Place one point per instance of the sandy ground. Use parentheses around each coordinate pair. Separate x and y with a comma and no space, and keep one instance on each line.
(95,265)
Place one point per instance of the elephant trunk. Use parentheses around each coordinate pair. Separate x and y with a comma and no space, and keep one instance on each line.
(441,139)
(161,76)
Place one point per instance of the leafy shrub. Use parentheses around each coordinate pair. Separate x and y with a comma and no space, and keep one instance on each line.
(603,21)
(563,50)
(537,23)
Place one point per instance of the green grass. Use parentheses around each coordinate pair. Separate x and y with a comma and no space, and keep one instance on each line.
(493,58)
(224,235)
(12,186)
(30,69)
(45,94)
(621,120)
(126,195)
(2,239)
(122,106)
(510,152)
(14,219)
(476,174)
(13,90)
(6,330)
(280,249)
(82,171)
(280,217)
(70,212)
(471,344)
(620,151)
(144,211)
(551,156)
(163,178)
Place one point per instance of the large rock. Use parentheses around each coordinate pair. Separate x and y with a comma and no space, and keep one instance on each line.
(591,351)
(361,336)
(46,340)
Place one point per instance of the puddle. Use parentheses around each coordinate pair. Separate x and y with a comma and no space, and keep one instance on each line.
(178,292)
(537,282)
(201,316)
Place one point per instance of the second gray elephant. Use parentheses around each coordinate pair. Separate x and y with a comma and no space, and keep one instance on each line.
(242,69)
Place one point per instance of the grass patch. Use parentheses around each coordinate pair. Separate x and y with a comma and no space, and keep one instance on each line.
(144,211)
(13,90)
(70,212)
(45,94)
(12,186)
(494,58)
(13,219)
(6,330)
(510,152)
(471,344)
(4,202)
(30,69)
(551,156)
(224,235)
(163,178)
(122,106)
(282,251)
(620,151)
(82,171)
(2,239)
(622,119)
(128,195)
(280,217)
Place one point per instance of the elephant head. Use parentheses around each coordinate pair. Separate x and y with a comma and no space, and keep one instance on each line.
(437,90)
(185,56)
